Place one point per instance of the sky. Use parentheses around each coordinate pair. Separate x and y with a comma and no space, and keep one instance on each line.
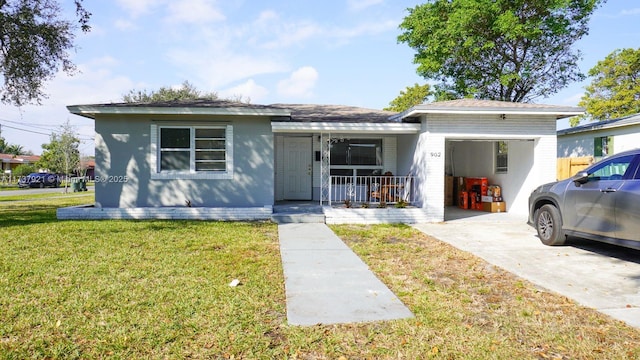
(341,52)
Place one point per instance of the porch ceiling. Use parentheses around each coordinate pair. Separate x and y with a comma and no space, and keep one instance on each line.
(360,128)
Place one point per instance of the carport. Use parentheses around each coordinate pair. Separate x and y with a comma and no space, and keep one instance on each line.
(464,138)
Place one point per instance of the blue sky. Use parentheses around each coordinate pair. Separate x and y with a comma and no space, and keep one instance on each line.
(280,51)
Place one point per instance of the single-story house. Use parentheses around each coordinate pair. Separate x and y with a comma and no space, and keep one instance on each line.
(8,162)
(600,139)
(226,160)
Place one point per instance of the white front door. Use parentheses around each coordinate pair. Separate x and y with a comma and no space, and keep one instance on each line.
(297,168)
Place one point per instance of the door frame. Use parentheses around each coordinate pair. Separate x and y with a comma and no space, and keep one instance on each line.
(283,178)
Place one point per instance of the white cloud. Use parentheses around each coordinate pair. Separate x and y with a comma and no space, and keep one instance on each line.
(364,29)
(136,8)
(194,12)
(357,5)
(248,90)
(299,84)
(124,25)
(271,32)
(293,34)
(221,67)
(632,12)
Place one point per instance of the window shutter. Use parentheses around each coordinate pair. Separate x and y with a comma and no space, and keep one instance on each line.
(597,147)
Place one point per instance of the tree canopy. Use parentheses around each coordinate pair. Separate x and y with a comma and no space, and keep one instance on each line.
(34,44)
(411,96)
(7,148)
(510,50)
(61,154)
(186,91)
(615,89)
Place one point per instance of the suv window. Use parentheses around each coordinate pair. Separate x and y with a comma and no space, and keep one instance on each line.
(613,169)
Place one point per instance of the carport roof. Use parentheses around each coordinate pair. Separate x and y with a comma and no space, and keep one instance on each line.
(474,106)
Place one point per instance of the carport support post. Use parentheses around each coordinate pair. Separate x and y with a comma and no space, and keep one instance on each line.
(432,158)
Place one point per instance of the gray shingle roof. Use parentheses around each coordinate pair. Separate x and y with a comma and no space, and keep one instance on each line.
(297,112)
(599,125)
(197,103)
(334,113)
(474,104)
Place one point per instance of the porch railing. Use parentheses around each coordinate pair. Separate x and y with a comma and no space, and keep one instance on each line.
(359,190)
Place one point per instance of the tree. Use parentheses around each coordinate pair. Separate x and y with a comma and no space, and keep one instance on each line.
(34,44)
(24,170)
(615,89)
(186,91)
(510,50)
(411,96)
(7,148)
(61,154)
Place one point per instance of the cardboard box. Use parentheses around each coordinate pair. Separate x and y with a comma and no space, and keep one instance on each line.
(448,190)
(494,206)
(487,199)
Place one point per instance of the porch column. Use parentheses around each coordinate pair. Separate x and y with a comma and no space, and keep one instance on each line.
(325,171)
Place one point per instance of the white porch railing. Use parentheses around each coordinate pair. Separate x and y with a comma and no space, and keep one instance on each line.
(375,190)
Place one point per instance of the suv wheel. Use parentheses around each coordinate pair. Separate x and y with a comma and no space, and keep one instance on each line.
(549,226)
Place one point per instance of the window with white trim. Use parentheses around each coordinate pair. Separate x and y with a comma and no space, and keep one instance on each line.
(502,157)
(192,152)
(360,157)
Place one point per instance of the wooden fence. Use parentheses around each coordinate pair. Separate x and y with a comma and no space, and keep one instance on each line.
(567,167)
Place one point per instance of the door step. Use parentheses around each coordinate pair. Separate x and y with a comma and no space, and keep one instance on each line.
(289,218)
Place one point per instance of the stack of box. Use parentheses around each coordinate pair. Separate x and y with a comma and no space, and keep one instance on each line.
(492,202)
(476,188)
(477,194)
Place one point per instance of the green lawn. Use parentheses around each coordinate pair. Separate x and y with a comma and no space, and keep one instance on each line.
(160,289)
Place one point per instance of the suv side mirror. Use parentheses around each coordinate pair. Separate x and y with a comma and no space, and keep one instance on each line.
(580,178)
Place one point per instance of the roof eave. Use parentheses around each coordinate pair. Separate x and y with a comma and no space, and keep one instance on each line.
(342,127)
(90,111)
(557,113)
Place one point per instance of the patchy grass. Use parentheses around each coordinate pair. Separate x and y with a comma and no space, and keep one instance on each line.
(88,196)
(159,289)
(467,308)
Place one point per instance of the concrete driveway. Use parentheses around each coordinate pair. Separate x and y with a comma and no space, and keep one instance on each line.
(600,276)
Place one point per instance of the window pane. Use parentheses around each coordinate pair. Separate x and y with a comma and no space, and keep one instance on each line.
(502,156)
(210,155)
(365,152)
(210,133)
(174,160)
(210,166)
(615,168)
(339,153)
(173,138)
(209,144)
(357,152)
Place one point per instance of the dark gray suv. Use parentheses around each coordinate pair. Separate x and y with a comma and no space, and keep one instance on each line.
(600,203)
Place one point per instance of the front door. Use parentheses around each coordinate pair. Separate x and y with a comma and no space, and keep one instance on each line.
(297,168)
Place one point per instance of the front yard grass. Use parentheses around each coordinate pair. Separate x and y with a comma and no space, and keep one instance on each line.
(160,289)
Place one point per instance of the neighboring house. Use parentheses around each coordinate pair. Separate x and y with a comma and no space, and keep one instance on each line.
(87,168)
(226,160)
(600,139)
(8,162)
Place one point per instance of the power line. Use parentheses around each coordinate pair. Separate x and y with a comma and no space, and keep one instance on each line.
(29,131)
(80,137)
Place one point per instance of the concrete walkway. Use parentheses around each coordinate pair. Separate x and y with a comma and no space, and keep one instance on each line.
(327,283)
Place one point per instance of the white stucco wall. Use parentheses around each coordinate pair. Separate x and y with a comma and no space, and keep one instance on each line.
(463,145)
